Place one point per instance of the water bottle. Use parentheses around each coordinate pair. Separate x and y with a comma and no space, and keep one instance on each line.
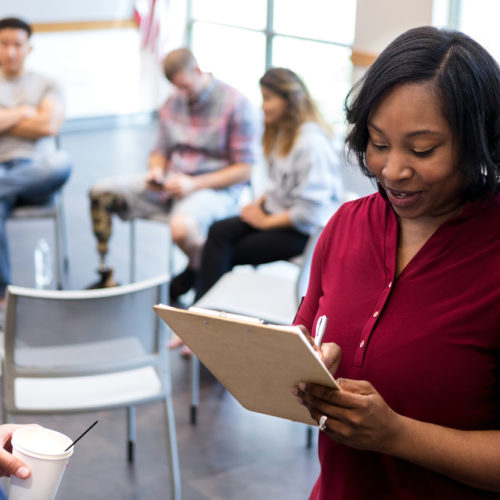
(43,264)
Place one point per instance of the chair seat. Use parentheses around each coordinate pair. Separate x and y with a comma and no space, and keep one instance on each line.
(249,292)
(94,354)
(44,210)
(87,393)
(159,217)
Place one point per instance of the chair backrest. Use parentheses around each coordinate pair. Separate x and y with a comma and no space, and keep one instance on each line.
(306,256)
(305,265)
(51,333)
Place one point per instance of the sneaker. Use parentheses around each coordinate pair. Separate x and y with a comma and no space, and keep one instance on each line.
(182,283)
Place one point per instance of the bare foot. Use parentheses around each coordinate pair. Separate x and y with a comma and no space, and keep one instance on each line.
(175,342)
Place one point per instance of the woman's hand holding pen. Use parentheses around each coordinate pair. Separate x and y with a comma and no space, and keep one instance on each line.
(330,353)
(357,415)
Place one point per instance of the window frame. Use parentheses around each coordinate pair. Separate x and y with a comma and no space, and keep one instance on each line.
(269,32)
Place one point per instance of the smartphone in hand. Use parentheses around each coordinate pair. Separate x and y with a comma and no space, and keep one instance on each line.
(155,183)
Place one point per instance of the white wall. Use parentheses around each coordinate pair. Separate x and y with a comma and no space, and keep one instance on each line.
(53,11)
(103,72)
(378,22)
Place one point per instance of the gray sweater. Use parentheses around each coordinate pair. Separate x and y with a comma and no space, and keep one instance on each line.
(307,181)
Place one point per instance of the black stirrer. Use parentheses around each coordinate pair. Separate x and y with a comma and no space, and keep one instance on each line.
(81,435)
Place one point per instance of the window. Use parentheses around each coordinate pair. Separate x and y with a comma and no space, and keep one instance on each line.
(479,19)
(231,54)
(237,40)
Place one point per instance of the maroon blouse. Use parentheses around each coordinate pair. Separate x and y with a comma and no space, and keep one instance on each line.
(429,341)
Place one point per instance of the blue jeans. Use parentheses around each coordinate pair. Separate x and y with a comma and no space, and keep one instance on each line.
(25,181)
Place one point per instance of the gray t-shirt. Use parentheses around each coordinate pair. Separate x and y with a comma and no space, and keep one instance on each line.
(307,181)
(29,89)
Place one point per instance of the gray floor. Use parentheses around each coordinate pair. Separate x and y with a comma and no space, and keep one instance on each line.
(231,453)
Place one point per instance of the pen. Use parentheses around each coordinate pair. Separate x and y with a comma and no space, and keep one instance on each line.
(320,330)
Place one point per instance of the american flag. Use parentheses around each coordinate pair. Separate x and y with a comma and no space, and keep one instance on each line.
(150,17)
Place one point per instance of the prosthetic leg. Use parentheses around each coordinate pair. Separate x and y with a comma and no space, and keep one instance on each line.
(102,207)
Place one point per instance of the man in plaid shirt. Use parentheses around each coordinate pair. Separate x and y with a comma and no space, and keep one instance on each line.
(208,139)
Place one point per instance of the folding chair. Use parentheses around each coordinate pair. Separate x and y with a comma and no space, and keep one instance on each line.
(86,351)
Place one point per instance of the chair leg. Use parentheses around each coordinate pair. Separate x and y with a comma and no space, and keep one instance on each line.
(175,471)
(6,419)
(131,433)
(64,239)
(61,243)
(171,260)
(132,251)
(59,264)
(195,388)
(57,239)
(309,436)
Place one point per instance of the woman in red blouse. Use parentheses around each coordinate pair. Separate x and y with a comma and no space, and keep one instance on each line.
(409,278)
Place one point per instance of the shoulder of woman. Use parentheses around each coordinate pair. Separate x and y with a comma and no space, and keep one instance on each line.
(313,129)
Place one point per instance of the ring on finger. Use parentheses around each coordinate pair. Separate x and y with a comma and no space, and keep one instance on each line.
(322,423)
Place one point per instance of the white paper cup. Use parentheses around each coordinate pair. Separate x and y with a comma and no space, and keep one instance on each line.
(42,450)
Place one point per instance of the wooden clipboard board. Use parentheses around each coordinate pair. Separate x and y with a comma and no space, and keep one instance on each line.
(257,363)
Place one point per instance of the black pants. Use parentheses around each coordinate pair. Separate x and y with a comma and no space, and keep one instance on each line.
(232,242)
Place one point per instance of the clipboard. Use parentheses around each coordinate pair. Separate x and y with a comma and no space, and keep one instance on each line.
(257,363)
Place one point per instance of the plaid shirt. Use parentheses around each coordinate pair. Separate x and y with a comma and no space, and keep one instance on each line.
(219,129)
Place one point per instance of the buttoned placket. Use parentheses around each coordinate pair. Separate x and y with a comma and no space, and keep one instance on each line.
(370,325)
(390,272)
